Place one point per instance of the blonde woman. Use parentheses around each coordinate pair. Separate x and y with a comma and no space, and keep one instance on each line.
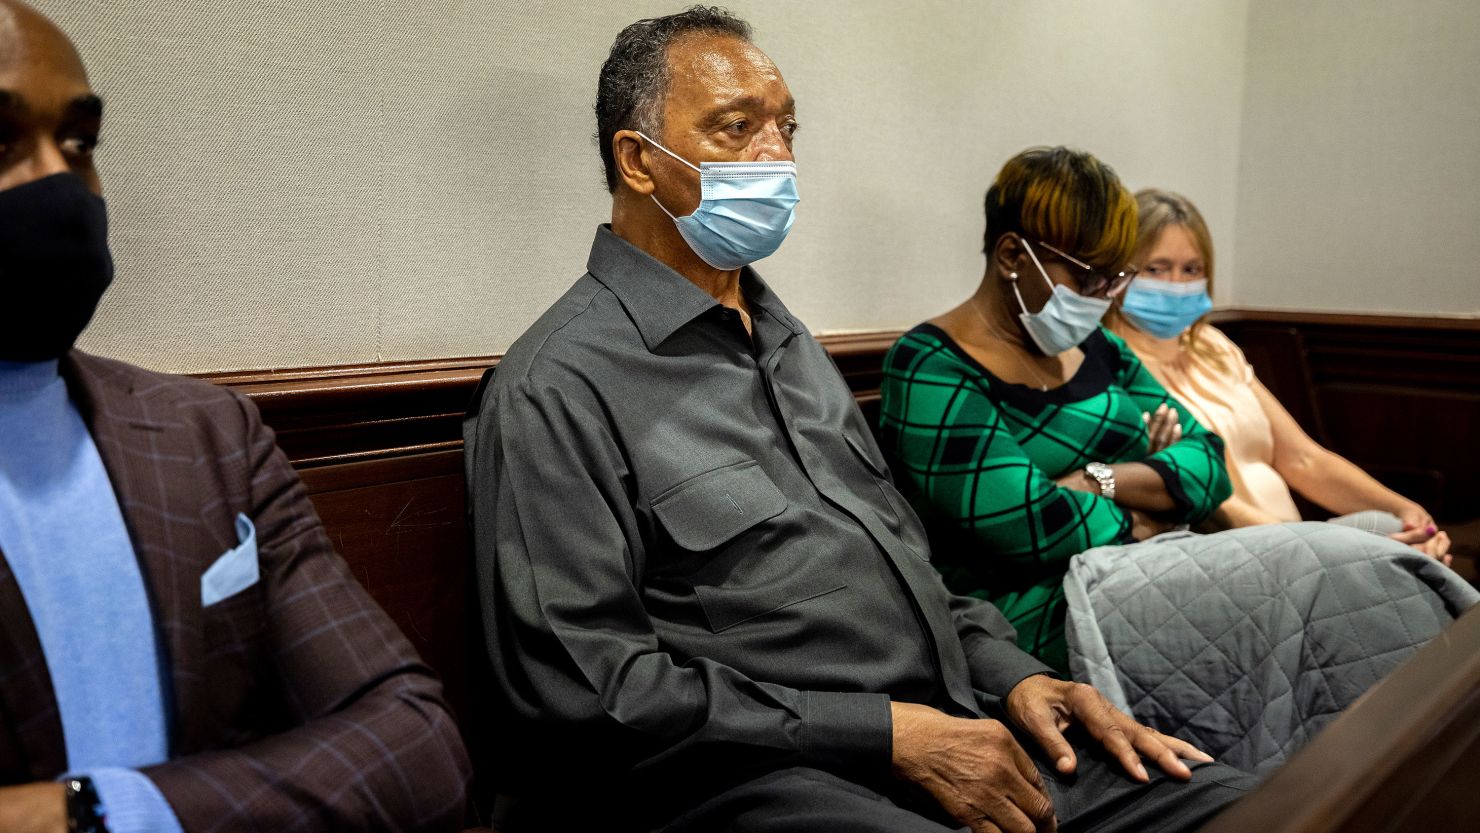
(1163,317)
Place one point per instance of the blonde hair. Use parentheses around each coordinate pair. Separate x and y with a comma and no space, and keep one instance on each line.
(1158,211)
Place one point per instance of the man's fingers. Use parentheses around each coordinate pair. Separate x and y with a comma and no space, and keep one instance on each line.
(1009,805)
(1027,799)
(1117,744)
(1156,747)
(1111,736)
(1104,724)
(1025,768)
(1045,731)
(1027,791)
(1186,750)
(1009,817)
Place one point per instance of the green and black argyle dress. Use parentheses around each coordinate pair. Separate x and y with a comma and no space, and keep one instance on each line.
(978,457)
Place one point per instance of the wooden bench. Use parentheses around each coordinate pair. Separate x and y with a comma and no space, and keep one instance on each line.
(380,450)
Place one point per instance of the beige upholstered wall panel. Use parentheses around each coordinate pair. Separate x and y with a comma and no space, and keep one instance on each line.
(301,183)
(1359,183)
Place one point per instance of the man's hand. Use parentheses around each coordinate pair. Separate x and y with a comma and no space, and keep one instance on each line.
(1044,708)
(33,808)
(974,768)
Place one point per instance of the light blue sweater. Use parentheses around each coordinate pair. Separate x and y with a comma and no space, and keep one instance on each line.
(64,538)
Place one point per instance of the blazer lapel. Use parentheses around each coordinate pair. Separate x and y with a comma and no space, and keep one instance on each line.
(36,748)
(151,461)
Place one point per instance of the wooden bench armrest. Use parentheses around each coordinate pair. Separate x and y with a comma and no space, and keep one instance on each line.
(1405,757)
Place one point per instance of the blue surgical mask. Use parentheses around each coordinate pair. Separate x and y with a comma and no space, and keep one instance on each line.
(1165,308)
(745,210)
(1066,320)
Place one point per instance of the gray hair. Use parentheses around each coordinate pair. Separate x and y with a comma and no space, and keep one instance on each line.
(634,78)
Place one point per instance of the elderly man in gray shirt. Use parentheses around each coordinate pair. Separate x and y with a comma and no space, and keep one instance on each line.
(707,606)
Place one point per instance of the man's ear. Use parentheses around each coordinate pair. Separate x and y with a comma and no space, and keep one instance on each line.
(633,161)
(1009,256)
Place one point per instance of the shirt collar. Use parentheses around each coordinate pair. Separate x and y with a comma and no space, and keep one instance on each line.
(23,380)
(659,300)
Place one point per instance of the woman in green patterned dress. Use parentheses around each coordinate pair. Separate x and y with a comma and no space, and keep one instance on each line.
(1022,431)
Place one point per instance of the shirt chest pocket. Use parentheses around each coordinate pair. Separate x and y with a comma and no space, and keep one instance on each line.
(744,581)
(709,509)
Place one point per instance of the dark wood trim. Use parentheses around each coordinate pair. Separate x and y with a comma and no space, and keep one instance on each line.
(329,416)
(1399,396)
(360,474)
(1406,757)
(350,375)
(874,343)
(1315,362)
(1469,323)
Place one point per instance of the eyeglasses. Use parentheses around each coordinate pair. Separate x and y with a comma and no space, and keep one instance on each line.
(1096,284)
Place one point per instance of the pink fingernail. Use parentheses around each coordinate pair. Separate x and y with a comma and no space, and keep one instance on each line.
(1432,529)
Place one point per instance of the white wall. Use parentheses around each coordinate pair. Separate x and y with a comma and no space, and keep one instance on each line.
(1359,177)
(297,184)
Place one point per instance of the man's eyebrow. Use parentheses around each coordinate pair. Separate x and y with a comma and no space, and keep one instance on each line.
(748,102)
(85,106)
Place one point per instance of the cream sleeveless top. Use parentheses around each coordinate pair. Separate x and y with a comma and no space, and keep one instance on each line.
(1223,400)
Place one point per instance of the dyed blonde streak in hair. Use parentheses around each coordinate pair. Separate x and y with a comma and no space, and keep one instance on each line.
(1054,211)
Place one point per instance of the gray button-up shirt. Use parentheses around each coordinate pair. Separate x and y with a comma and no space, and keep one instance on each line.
(690,554)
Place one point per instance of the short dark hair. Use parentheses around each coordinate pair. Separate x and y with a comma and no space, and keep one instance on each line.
(1066,198)
(634,78)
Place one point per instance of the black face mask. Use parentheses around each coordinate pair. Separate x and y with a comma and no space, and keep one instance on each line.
(54,266)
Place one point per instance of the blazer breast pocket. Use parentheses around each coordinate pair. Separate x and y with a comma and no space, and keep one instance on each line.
(236,570)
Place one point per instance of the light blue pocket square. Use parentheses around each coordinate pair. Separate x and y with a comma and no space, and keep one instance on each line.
(236,570)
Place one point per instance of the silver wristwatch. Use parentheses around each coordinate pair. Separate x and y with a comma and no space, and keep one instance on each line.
(1103,475)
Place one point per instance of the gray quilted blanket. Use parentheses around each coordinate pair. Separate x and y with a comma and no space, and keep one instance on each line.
(1247,642)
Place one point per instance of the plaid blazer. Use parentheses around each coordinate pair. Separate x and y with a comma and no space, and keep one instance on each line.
(294,705)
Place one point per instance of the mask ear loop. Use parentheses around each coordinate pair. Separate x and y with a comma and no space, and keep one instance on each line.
(1013,276)
(1044,272)
(655,144)
(1041,271)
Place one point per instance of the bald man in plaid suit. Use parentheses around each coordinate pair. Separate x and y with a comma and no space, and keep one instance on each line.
(180,647)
